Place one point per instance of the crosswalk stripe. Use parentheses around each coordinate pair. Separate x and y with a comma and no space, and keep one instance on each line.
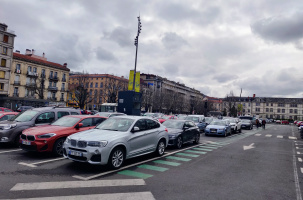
(209,147)
(301,170)
(178,158)
(200,148)
(112,196)
(300,159)
(187,154)
(135,174)
(151,167)
(199,152)
(292,138)
(268,135)
(76,184)
(279,136)
(167,162)
(258,134)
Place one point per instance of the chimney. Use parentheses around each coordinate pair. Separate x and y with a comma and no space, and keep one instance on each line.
(43,55)
(65,65)
(33,51)
(17,51)
(27,52)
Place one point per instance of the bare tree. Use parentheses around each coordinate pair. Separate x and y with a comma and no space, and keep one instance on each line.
(112,86)
(147,97)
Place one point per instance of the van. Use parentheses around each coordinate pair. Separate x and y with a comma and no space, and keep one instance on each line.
(252,119)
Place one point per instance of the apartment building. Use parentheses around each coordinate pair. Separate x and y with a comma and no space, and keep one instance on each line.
(103,88)
(6,56)
(36,81)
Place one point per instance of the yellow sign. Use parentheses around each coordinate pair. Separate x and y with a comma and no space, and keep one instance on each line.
(131,80)
(137,82)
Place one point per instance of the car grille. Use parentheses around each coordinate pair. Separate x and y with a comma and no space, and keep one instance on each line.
(212,130)
(81,144)
(28,137)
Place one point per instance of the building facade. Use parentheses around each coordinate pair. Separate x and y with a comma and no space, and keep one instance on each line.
(102,88)
(36,81)
(6,56)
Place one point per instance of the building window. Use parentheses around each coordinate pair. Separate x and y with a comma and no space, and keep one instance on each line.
(1,86)
(51,74)
(29,69)
(5,38)
(2,74)
(283,110)
(43,72)
(55,84)
(290,110)
(296,111)
(101,85)
(56,73)
(281,105)
(35,70)
(293,105)
(86,85)
(248,110)
(279,110)
(267,104)
(63,86)
(4,50)
(267,110)
(91,85)
(62,96)
(96,85)
(271,110)
(50,84)
(18,67)
(257,104)
(257,109)
(3,62)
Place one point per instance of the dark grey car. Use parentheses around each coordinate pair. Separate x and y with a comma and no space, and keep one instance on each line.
(11,130)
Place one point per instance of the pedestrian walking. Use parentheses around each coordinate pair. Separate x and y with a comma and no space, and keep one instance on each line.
(257,123)
(263,123)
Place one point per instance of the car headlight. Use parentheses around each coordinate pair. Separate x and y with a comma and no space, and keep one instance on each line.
(47,135)
(67,140)
(97,143)
(9,126)
(171,136)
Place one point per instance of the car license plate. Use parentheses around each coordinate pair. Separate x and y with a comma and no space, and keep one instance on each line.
(75,153)
(213,131)
(26,142)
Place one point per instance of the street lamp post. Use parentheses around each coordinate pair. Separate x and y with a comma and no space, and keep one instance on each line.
(136,44)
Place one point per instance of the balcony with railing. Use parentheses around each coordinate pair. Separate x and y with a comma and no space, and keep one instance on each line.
(42,76)
(61,99)
(18,71)
(16,82)
(33,74)
(30,96)
(63,90)
(52,88)
(16,94)
(52,98)
(53,78)
(30,85)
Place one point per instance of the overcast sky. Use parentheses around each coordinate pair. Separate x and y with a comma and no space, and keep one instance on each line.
(214,46)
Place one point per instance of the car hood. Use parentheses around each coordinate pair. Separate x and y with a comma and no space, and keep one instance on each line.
(246,123)
(173,131)
(215,126)
(98,135)
(45,129)
(232,124)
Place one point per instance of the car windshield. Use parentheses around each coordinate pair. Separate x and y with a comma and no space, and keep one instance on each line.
(182,116)
(245,121)
(195,119)
(208,119)
(24,116)
(233,120)
(219,123)
(103,114)
(173,124)
(1,114)
(116,124)
(66,121)
(165,117)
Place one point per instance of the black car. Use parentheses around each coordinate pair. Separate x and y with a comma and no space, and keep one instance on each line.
(181,131)
(246,124)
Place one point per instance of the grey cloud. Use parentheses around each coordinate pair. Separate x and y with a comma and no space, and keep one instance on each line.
(280,29)
(122,36)
(172,41)
(104,55)
(222,78)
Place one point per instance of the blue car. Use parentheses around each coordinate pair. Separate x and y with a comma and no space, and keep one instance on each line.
(219,127)
(198,120)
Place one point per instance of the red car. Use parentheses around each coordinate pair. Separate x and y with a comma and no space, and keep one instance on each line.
(7,115)
(2,109)
(285,122)
(165,117)
(299,123)
(50,138)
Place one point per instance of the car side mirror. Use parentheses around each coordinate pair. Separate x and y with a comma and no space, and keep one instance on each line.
(79,125)
(135,129)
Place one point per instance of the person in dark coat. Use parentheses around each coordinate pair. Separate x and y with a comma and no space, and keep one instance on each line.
(263,123)
(257,123)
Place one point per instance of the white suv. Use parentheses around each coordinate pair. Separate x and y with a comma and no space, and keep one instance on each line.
(235,124)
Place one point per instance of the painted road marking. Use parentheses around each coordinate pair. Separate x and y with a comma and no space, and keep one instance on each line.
(209,147)
(268,135)
(76,184)
(292,138)
(300,159)
(301,170)
(186,154)
(200,148)
(41,162)
(10,151)
(298,152)
(151,167)
(112,196)
(279,136)
(167,162)
(199,152)
(258,134)
(135,174)
(178,158)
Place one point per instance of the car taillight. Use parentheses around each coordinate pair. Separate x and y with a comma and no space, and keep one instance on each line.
(166,130)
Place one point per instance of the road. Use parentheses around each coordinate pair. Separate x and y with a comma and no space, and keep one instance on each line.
(256,164)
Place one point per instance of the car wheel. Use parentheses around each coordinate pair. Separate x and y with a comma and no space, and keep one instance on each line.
(197,138)
(225,133)
(236,130)
(179,142)
(240,130)
(116,158)
(58,147)
(160,148)
(251,127)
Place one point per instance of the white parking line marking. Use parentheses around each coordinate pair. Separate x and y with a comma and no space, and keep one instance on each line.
(135,164)
(113,196)
(76,184)
(292,138)
(300,159)
(258,134)
(279,136)
(36,163)
(268,135)
(298,152)
(10,151)
(301,170)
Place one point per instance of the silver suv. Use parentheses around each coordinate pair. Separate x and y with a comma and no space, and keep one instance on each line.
(117,139)
(11,130)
